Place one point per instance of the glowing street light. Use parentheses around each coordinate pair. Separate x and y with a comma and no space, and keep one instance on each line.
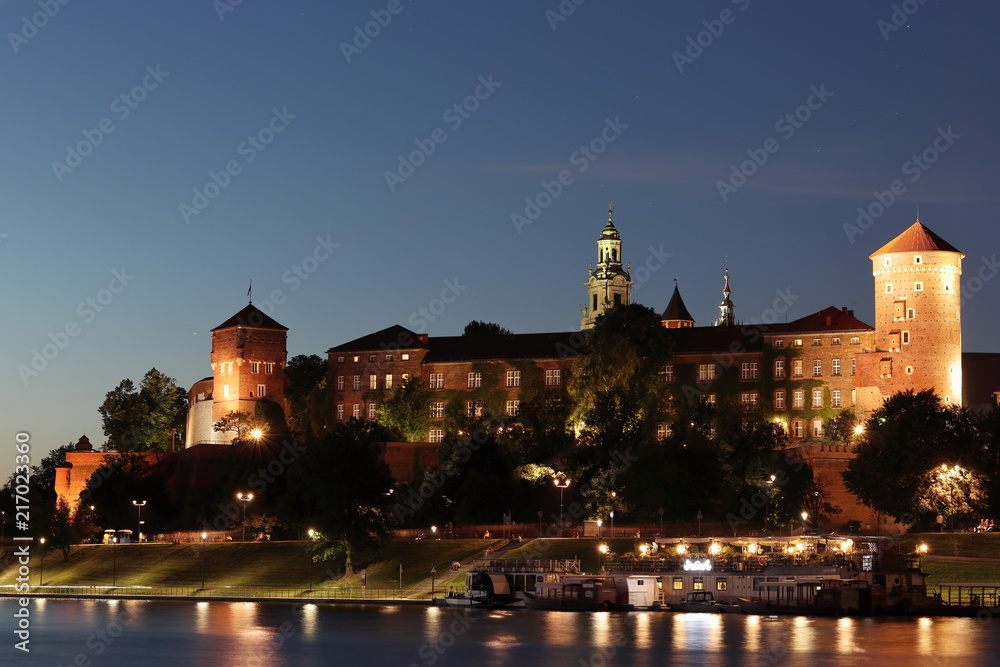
(138,532)
(204,536)
(604,554)
(922,548)
(257,434)
(244,498)
(434,530)
(41,569)
(599,522)
(562,487)
(767,497)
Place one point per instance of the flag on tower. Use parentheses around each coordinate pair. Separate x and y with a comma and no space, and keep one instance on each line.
(249,290)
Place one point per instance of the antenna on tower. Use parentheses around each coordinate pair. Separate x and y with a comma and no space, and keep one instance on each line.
(250,291)
(918,212)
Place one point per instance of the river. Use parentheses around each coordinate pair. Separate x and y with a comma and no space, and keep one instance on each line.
(89,633)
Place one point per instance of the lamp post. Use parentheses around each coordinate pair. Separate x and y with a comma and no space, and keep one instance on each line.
(245,498)
(599,522)
(604,554)
(805,517)
(41,569)
(562,487)
(434,530)
(114,560)
(3,517)
(767,497)
(91,514)
(204,536)
(311,534)
(138,527)
(612,515)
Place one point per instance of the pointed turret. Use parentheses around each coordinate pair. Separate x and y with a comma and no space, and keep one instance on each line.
(726,310)
(610,284)
(676,316)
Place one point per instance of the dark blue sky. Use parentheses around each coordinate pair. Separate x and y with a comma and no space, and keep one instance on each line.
(326,132)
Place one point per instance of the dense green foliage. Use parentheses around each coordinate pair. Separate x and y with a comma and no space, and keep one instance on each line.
(150,418)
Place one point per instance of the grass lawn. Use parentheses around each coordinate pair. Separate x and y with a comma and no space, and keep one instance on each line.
(946,572)
(969,545)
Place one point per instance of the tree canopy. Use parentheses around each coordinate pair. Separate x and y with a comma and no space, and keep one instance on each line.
(406,413)
(150,418)
(478,328)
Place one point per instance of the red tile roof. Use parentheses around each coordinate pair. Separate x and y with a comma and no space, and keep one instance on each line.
(253,317)
(395,337)
(828,319)
(916,239)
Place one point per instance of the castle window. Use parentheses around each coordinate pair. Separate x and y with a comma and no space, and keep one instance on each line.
(909,370)
(710,399)
(947,288)
(836,401)
(261,390)
(797,428)
(706,372)
(553,378)
(436,436)
(779,399)
(357,359)
(836,367)
(817,399)
(906,337)
(372,410)
(662,431)
(405,376)
(779,369)
(748,399)
(748,370)
(888,261)
(372,382)
(388,380)
(835,341)
(268,367)
(911,313)
(437,409)
(798,399)
(255,367)
(356,411)
(340,411)
(474,408)
(340,359)
(357,383)
(817,368)
(388,358)
(513,407)
(778,343)
(513,378)
(796,368)
(225,391)
(372,358)
(436,381)
(888,288)
(340,383)
(668,373)
(797,342)
(817,342)
(475,380)
(918,287)
(856,340)
(817,428)
(405,356)
(917,259)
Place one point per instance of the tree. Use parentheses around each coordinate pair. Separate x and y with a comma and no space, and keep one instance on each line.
(407,412)
(615,384)
(241,424)
(127,477)
(147,419)
(339,486)
(952,491)
(911,434)
(306,392)
(41,494)
(477,328)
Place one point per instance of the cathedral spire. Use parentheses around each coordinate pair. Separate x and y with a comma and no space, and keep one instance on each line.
(726,309)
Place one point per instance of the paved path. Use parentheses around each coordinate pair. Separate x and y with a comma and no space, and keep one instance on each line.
(424,587)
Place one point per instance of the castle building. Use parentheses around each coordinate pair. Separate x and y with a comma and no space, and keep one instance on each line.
(609,285)
(248,366)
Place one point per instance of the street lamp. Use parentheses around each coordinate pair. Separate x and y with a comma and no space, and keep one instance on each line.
(3,517)
(604,554)
(599,522)
(204,536)
(767,497)
(434,530)
(562,487)
(805,517)
(41,569)
(91,514)
(244,498)
(257,434)
(312,535)
(612,515)
(138,531)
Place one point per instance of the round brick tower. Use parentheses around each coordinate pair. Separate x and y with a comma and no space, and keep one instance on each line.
(918,313)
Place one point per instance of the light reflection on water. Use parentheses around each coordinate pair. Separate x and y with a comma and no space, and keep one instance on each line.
(249,633)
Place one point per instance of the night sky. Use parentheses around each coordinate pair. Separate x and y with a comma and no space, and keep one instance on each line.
(159,156)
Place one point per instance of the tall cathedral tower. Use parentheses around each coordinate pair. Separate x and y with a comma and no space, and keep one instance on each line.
(248,362)
(727,312)
(918,316)
(610,285)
